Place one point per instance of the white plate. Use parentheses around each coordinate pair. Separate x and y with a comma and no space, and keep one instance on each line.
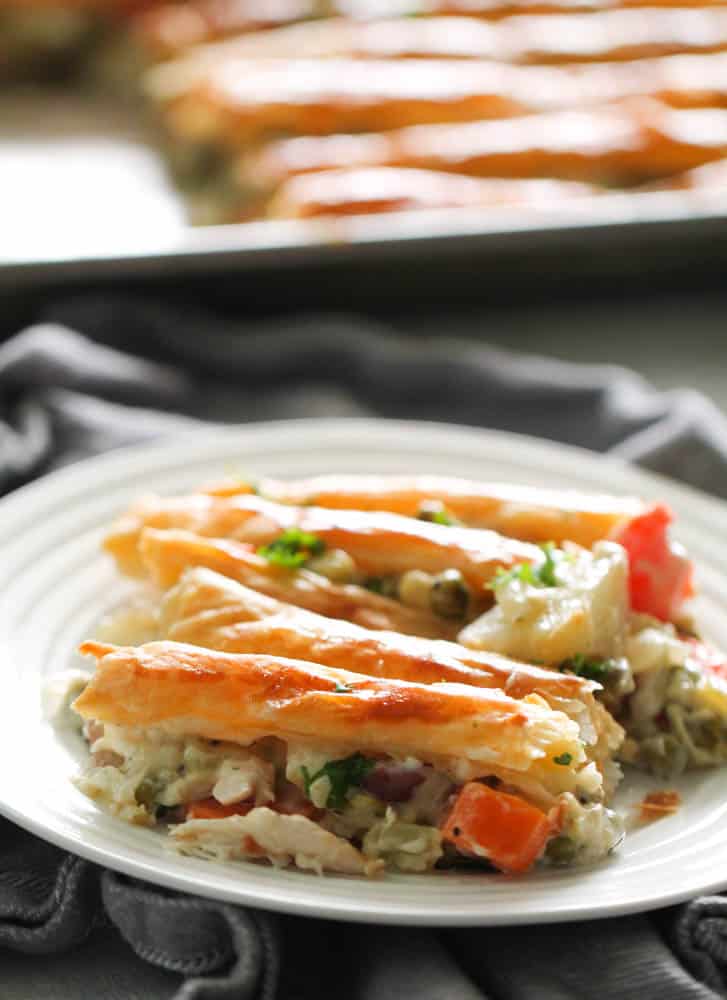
(55,585)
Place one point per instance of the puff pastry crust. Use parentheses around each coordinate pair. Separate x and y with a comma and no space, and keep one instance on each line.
(242,697)
(380,542)
(531,513)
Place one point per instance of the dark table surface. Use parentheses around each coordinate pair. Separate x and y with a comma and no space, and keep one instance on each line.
(666,321)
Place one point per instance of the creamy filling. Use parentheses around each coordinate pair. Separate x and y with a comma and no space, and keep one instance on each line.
(574,618)
(323,809)
(588,833)
(676,716)
(574,603)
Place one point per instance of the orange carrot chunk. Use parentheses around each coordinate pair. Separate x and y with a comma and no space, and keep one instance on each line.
(507,831)
(212,809)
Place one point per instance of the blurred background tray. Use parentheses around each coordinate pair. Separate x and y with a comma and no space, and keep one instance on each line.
(106,209)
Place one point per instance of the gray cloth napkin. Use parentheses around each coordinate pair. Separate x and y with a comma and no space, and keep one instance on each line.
(96,374)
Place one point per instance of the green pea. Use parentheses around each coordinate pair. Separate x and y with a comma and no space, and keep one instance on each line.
(450,595)
(146,793)
(561,851)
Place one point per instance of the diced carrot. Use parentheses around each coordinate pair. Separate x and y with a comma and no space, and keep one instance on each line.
(506,830)
(660,574)
(212,809)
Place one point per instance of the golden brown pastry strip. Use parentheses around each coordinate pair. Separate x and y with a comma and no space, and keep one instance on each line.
(380,543)
(377,190)
(210,610)
(220,696)
(165,555)
(237,101)
(604,36)
(531,513)
(630,143)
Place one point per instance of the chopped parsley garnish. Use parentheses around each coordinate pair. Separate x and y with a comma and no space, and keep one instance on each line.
(546,571)
(436,513)
(293,548)
(342,775)
(564,758)
(537,576)
(523,571)
(592,668)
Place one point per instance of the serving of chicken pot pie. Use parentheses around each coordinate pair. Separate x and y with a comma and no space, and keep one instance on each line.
(363,674)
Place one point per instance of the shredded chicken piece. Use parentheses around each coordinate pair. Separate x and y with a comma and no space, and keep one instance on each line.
(263,833)
(238,780)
